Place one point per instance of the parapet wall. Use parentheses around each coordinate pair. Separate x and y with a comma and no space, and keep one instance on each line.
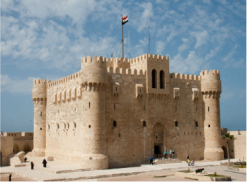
(210,81)
(39,89)
(184,76)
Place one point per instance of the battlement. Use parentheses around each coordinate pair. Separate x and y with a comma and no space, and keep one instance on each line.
(64,80)
(158,57)
(184,76)
(124,71)
(210,73)
(39,82)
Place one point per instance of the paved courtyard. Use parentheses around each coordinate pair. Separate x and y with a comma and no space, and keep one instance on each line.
(69,171)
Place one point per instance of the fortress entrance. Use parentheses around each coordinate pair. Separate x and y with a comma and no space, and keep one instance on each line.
(225,152)
(158,140)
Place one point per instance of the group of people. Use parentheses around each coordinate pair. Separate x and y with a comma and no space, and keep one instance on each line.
(44,164)
(172,154)
(190,162)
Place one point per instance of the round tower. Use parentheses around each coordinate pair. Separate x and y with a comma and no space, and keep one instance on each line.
(211,90)
(39,101)
(94,80)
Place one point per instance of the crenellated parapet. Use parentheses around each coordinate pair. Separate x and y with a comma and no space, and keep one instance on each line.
(158,58)
(179,76)
(93,70)
(39,89)
(210,81)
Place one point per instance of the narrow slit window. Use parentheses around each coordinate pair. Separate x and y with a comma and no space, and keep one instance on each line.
(40,128)
(40,113)
(196,124)
(89,126)
(74,125)
(209,125)
(208,109)
(176,124)
(114,124)
(144,124)
(89,104)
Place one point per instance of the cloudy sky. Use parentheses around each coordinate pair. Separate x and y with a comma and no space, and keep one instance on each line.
(46,39)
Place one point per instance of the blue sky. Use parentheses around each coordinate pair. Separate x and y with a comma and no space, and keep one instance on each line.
(46,39)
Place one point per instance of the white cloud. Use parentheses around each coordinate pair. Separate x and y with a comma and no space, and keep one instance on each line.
(207,1)
(160,46)
(213,53)
(190,65)
(230,54)
(201,38)
(184,46)
(16,86)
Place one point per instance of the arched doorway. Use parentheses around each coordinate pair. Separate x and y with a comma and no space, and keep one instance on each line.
(158,140)
(225,152)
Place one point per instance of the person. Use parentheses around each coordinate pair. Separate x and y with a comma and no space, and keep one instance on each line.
(192,162)
(188,162)
(44,163)
(187,157)
(171,153)
(151,160)
(10,175)
(25,159)
(165,154)
(32,164)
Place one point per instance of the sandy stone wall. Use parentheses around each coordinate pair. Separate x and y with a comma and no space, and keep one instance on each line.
(238,146)
(118,112)
(6,149)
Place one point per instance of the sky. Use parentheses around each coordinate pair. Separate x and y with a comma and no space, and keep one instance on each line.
(46,39)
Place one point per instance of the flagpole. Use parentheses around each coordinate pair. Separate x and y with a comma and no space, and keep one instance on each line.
(122,38)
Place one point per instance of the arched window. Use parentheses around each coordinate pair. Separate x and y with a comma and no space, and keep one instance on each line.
(57,126)
(144,123)
(162,80)
(176,124)
(89,126)
(154,79)
(196,124)
(68,125)
(114,124)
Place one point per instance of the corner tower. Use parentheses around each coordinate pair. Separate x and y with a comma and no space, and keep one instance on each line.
(39,101)
(94,79)
(211,90)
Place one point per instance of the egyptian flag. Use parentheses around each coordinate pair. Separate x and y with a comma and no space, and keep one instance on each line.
(124,20)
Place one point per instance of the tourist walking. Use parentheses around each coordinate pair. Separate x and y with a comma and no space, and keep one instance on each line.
(165,154)
(32,164)
(170,153)
(187,157)
(173,153)
(10,175)
(151,160)
(44,163)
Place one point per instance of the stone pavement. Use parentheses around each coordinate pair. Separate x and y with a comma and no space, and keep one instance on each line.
(48,174)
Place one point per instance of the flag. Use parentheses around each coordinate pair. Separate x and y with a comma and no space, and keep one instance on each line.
(124,20)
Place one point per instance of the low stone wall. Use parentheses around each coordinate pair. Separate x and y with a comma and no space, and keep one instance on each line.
(6,149)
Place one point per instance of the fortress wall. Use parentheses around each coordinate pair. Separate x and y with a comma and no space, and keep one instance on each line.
(127,143)
(186,138)
(6,149)
(238,146)
(67,140)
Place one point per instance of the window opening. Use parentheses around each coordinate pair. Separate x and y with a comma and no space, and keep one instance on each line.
(162,84)
(40,113)
(208,109)
(89,126)
(74,125)
(119,135)
(144,124)
(57,126)
(114,124)
(176,124)
(196,124)
(40,128)
(209,125)
(156,136)
(89,104)
(154,79)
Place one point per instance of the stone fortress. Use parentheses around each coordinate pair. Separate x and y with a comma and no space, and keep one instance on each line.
(118,112)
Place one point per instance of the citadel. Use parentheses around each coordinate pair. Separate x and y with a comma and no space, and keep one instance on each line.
(118,112)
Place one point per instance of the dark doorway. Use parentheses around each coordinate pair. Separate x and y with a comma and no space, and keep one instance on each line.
(225,152)
(156,150)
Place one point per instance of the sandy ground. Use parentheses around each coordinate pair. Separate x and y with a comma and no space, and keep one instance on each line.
(5,177)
